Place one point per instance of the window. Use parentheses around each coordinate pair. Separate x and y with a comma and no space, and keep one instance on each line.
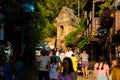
(61,30)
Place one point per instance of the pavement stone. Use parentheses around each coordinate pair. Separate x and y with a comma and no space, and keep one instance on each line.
(82,78)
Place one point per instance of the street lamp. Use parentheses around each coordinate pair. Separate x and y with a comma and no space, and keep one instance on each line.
(78,11)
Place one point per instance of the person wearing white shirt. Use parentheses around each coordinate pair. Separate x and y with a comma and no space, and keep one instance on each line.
(44,62)
(62,55)
(69,52)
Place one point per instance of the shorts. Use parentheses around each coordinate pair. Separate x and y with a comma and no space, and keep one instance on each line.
(84,63)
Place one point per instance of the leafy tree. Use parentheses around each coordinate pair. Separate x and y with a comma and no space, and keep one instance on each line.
(53,7)
(103,6)
(35,34)
(82,43)
(77,37)
(50,30)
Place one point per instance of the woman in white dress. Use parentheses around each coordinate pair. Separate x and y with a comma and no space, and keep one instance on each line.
(53,72)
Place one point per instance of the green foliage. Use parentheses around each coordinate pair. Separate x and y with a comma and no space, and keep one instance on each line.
(82,24)
(104,6)
(77,38)
(50,30)
(35,34)
(71,38)
(41,27)
(82,43)
(53,7)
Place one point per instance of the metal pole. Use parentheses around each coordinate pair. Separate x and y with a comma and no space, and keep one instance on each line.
(93,13)
(110,45)
(22,42)
(78,11)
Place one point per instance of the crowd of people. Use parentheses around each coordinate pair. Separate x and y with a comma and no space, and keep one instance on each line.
(54,64)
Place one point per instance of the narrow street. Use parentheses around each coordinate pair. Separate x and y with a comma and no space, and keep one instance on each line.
(69,36)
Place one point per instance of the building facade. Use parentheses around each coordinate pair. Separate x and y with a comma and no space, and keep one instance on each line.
(66,22)
(100,34)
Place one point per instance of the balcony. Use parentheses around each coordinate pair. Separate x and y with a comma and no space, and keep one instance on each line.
(96,24)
